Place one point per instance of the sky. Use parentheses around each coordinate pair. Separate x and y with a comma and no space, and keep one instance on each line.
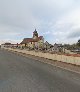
(57,20)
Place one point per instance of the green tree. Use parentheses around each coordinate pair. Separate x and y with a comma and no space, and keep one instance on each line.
(78,43)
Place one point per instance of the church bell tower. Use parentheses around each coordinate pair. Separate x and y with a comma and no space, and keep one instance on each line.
(35,34)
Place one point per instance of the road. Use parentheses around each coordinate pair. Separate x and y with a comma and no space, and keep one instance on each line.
(21,74)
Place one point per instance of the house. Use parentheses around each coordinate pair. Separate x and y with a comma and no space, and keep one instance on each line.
(47,45)
(9,45)
(58,48)
(36,42)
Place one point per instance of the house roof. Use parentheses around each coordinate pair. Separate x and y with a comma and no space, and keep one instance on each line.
(7,43)
(27,40)
(10,44)
(39,38)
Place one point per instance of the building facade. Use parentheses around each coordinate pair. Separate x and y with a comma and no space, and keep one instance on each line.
(36,42)
(9,45)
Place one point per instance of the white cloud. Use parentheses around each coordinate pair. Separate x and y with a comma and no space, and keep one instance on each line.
(67,27)
(16,14)
(60,18)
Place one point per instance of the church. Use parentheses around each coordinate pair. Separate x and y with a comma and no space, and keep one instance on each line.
(36,42)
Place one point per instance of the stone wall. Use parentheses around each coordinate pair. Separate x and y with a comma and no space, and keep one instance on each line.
(67,58)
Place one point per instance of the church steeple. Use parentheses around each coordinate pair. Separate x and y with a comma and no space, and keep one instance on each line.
(35,34)
(35,30)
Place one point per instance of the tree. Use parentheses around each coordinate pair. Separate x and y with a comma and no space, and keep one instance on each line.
(78,43)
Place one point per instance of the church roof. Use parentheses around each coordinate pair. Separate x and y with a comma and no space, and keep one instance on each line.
(27,40)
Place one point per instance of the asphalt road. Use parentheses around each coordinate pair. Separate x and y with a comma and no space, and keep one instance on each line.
(21,74)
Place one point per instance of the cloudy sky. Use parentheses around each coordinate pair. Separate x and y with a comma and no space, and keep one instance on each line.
(57,20)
